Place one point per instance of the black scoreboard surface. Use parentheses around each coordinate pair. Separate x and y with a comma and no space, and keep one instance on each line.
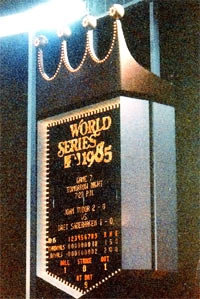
(83,234)
(95,209)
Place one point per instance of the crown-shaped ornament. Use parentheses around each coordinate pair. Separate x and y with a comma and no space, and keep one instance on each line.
(118,72)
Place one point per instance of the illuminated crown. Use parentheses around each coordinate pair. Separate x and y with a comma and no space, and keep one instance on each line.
(117,72)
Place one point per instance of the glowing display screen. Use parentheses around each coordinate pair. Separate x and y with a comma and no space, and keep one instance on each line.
(84,204)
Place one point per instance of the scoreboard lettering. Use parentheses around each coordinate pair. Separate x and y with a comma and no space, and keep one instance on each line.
(83,205)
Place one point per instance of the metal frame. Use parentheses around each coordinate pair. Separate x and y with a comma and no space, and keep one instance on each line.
(31,173)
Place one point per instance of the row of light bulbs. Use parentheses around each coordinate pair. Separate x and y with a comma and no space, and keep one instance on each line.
(116,11)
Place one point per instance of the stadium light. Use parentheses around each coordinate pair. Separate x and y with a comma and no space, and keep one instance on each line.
(51,15)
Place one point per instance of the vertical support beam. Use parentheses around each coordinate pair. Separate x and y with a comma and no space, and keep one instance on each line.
(154,39)
(31,173)
(153,203)
(155,68)
(163,165)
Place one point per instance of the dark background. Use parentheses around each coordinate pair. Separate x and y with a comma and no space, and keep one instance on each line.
(179,45)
